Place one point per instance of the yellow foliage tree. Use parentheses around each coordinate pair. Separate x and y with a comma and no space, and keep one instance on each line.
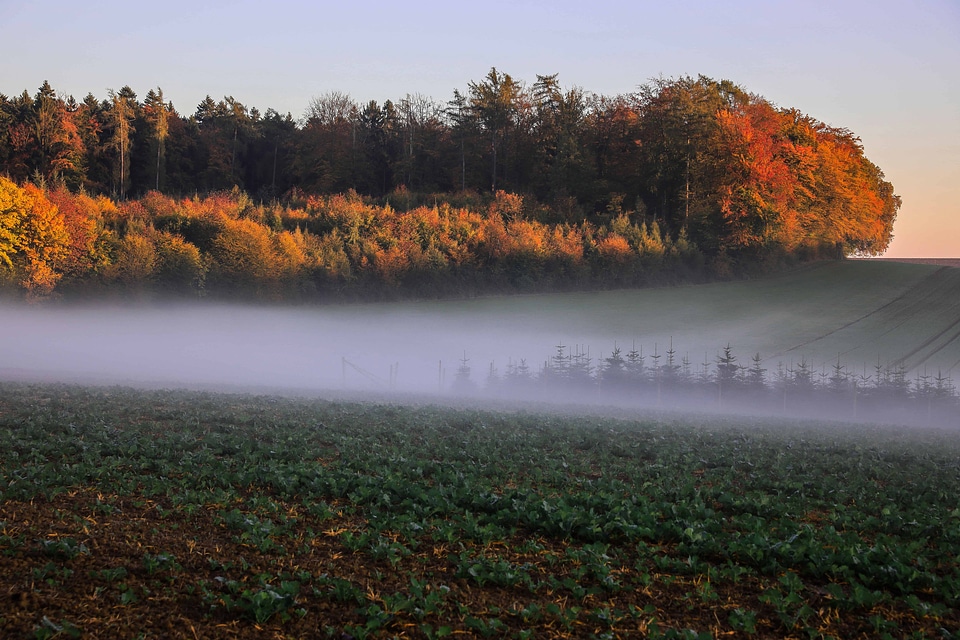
(243,253)
(33,238)
(291,254)
(136,260)
(615,248)
(179,264)
(91,242)
(508,206)
(13,203)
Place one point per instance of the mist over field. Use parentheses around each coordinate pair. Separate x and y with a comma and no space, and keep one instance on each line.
(214,344)
(297,348)
(904,316)
(304,348)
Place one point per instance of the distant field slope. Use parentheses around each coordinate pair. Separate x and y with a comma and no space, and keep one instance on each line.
(920,328)
(863,312)
(943,262)
(860,311)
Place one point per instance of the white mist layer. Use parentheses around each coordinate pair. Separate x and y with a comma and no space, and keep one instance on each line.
(810,315)
(296,348)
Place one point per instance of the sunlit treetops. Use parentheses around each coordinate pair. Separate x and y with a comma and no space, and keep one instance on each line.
(518,185)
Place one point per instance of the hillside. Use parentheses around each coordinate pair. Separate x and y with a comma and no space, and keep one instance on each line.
(856,309)
(861,311)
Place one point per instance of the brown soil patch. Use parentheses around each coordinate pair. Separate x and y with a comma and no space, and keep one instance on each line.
(107,566)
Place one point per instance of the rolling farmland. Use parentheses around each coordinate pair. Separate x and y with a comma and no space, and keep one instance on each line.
(193,514)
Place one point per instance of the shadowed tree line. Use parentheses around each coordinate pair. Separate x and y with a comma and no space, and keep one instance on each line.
(721,177)
(883,392)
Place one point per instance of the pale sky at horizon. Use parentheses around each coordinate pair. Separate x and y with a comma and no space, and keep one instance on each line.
(887,70)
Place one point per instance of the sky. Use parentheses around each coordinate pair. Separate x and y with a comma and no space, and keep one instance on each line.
(887,70)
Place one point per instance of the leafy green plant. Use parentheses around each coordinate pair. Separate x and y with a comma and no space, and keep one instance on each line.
(111,574)
(260,603)
(48,629)
(743,620)
(127,595)
(155,563)
(63,548)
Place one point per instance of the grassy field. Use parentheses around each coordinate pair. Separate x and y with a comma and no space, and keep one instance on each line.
(194,515)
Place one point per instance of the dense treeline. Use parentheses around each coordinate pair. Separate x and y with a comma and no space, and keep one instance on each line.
(317,247)
(702,167)
(663,379)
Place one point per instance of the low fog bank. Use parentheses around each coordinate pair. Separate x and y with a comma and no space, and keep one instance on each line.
(423,353)
(376,348)
(413,348)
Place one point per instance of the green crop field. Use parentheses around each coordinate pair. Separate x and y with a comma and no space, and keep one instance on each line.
(193,515)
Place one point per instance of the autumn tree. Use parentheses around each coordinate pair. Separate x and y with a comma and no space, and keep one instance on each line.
(465,131)
(123,110)
(493,101)
(612,141)
(178,265)
(226,127)
(91,241)
(680,154)
(58,145)
(13,204)
(271,153)
(241,123)
(378,141)
(6,118)
(91,119)
(47,118)
(425,145)
(157,113)
(561,158)
(242,255)
(21,137)
(33,239)
(854,207)
(756,188)
(327,151)
(136,260)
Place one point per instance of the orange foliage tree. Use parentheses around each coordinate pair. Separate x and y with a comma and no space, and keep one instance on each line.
(242,256)
(33,238)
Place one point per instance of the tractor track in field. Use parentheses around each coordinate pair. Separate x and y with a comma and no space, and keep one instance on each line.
(890,303)
(933,340)
(915,310)
(930,341)
(905,315)
(946,262)
(953,366)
